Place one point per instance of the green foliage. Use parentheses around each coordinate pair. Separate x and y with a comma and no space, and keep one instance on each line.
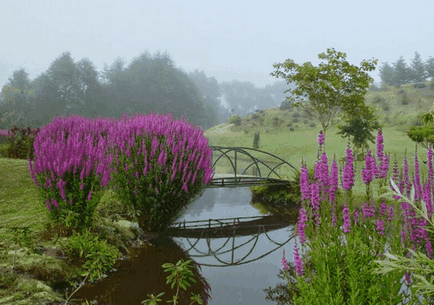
(21,143)
(328,87)
(285,105)
(180,275)
(386,107)
(312,125)
(423,135)
(431,86)
(360,128)
(378,99)
(419,85)
(405,100)
(373,88)
(95,256)
(234,119)
(291,129)
(402,91)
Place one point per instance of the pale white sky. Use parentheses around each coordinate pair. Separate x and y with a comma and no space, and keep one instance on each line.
(226,39)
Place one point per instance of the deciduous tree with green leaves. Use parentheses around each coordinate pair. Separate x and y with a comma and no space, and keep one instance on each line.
(331,89)
(423,135)
(360,127)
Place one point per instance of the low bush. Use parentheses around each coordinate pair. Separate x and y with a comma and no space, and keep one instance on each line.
(405,100)
(378,99)
(419,85)
(234,119)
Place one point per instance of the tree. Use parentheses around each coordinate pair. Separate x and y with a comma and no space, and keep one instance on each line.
(387,74)
(90,90)
(58,89)
(327,88)
(209,90)
(402,72)
(417,68)
(115,87)
(360,127)
(240,95)
(423,135)
(18,101)
(429,67)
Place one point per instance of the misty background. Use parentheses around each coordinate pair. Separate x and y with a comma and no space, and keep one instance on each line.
(203,59)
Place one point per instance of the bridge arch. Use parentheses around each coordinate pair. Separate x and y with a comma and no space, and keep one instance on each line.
(255,161)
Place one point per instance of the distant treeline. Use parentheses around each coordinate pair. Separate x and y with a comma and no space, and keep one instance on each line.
(146,84)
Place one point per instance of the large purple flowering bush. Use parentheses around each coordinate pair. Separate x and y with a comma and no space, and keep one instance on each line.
(153,164)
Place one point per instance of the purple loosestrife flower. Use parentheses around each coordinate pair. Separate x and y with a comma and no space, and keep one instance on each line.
(284,261)
(298,261)
(368,211)
(380,145)
(302,223)
(380,227)
(417,185)
(430,168)
(348,174)
(427,198)
(321,138)
(347,220)
(390,215)
(304,183)
(356,216)
(367,172)
(406,180)
(383,208)
(384,167)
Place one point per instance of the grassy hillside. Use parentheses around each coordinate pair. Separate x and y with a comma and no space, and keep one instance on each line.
(291,135)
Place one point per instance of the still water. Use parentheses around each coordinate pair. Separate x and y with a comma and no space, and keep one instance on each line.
(257,259)
(243,283)
(142,273)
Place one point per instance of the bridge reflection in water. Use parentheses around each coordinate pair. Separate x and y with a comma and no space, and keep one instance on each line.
(229,228)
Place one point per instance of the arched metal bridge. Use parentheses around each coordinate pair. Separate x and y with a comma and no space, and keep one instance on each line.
(243,180)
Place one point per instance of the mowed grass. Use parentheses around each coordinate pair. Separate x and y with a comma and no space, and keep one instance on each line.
(297,145)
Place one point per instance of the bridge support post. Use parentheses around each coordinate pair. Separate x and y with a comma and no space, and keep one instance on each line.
(235,169)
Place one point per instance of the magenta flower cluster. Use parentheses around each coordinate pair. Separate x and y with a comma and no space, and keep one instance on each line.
(324,184)
(79,151)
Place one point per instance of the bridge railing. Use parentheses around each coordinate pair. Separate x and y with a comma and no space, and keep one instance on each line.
(207,223)
(256,162)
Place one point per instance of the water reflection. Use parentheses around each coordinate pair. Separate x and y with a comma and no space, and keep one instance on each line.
(261,253)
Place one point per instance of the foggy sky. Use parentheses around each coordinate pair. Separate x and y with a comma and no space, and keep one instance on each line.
(226,39)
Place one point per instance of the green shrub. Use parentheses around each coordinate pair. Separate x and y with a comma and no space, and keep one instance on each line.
(419,85)
(295,120)
(284,105)
(432,84)
(386,107)
(296,115)
(291,129)
(402,91)
(378,99)
(405,100)
(312,125)
(234,119)
(96,256)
